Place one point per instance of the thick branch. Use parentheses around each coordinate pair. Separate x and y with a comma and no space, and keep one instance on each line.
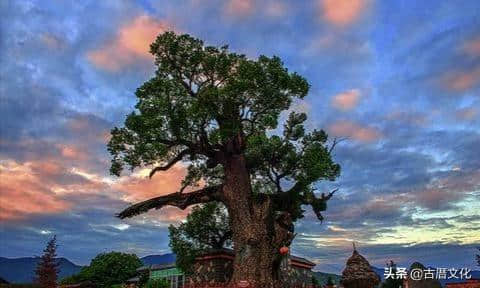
(176,159)
(177,199)
(318,204)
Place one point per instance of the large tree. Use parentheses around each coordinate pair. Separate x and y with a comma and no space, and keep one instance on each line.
(214,110)
(47,268)
(207,227)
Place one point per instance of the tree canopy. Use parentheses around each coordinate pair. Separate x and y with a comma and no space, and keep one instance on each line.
(206,227)
(107,269)
(218,112)
(205,103)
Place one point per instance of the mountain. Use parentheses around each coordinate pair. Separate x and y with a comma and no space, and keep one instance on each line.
(22,270)
(159,259)
(380,272)
(322,277)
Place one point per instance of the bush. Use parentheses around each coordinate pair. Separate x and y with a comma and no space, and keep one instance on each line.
(106,270)
(156,283)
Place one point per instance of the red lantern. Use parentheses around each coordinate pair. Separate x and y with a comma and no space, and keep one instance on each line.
(284,250)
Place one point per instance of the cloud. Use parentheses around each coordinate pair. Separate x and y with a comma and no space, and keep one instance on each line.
(467,113)
(72,152)
(239,8)
(472,47)
(344,128)
(447,191)
(346,100)
(131,43)
(139,187)
(342,12)
(88,126)
(51,41)
(276,9)
(461,81)
(25,191)
(408,117)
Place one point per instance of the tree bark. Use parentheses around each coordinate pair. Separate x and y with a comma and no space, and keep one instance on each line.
(258,231)
(257,237)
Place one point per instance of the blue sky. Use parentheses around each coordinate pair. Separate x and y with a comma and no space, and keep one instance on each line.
(399,79)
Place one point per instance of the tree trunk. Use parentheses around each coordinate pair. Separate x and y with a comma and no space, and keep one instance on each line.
(254,231)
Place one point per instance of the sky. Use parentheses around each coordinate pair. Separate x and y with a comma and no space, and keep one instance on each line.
(399,79)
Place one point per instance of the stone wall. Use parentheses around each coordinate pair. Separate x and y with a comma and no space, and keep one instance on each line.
(297,276)
(216,271)
(211,271)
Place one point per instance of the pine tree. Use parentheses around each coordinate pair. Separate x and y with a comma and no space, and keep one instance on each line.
(47,268)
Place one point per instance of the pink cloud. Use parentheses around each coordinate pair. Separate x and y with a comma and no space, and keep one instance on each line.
(472,47)
(355,131)
(276,9)
(72,152)
(346,100)
(342,12)
(239,8)
(131,43)
(460,81)
(445,191)
(139,188)
(25,190)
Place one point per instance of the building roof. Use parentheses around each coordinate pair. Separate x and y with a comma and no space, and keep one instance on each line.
(230,252)
(302,260)
(223,253)
(156,267)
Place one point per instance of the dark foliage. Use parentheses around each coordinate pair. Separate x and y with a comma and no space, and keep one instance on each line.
(47,269)
(107,269)
(392,282)
(207,227)
(200,99)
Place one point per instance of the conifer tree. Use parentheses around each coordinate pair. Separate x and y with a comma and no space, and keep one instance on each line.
(47,268)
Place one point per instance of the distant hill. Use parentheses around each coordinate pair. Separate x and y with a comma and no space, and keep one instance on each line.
(159,259)
(323,277)
(21,270)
